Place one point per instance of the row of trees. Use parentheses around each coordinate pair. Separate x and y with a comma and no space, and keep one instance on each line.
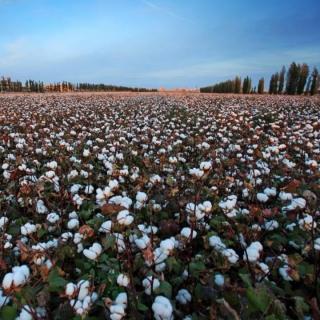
(7,85)
(296,81)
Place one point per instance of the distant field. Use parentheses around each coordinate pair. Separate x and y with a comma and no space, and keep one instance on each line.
(184,205)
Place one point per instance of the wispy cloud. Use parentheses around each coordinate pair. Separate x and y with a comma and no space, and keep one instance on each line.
(167,11)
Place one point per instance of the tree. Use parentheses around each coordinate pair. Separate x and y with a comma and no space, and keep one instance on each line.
(315,81)
(261,86)
(237,85)
(246,85)
(293,78)
(304,72)
(281,79)
(271,84)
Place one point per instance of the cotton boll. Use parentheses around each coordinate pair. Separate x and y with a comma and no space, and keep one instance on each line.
(106,226)
(317,244)
(284,272)
(7,280)
(25,314)
(271,192)
(125,218)
(186,232)
(219,279)
(70,289)
(150,282)
(122,299)
(298,203)
(231,255)
(141,197)
(167,245)
(262,197)
(162,308)
(253,251)
(143,242)
(183,296)
(285,196)
(53,217)
(123,280)
(73,224)
(83,287)
(3,221)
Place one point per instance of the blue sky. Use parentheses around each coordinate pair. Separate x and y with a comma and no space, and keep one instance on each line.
(152,43)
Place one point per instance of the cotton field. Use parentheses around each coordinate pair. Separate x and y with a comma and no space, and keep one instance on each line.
(150,206)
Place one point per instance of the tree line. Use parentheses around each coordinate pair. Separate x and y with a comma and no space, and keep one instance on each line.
(7,85)
(297,80)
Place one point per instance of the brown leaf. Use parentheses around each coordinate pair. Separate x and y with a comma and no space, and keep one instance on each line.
(292,186)
(109,209)
(86,231)
(24,251)
(148,255)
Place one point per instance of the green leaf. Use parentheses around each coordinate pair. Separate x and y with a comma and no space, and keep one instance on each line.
(245,277)
(56,282)
(301,307)
(8,313)
(142,307)
(259,299)
(196,268)
(165,288)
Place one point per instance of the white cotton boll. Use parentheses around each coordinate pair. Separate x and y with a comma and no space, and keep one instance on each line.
(307,223)
(7,280)
(162,308)
(186,232)
(317,244)
(298,203)
(4,300)
(40,207)
(271,192)
(262,197)
(19,278)
(271,225)
(97,248)
(264,267)
(86,153)
(106,226)
(53,217)
(229,203)
(159,255)
(245,193)
(90,254)
(285,196)
(216,242)
(70,289)
(206,165)
(150,282)
(253,251)
(141,197)
(231,255)
(195,172)
(25,314)
(167,245)
(83,287)
(88,189)
(73,224)
(122,299)
(28,228)
(123,280)
(206,206)
(117,312)
(284,272)
(125,218)
(143,242)
(3,221)
(183,296)
(219,280)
